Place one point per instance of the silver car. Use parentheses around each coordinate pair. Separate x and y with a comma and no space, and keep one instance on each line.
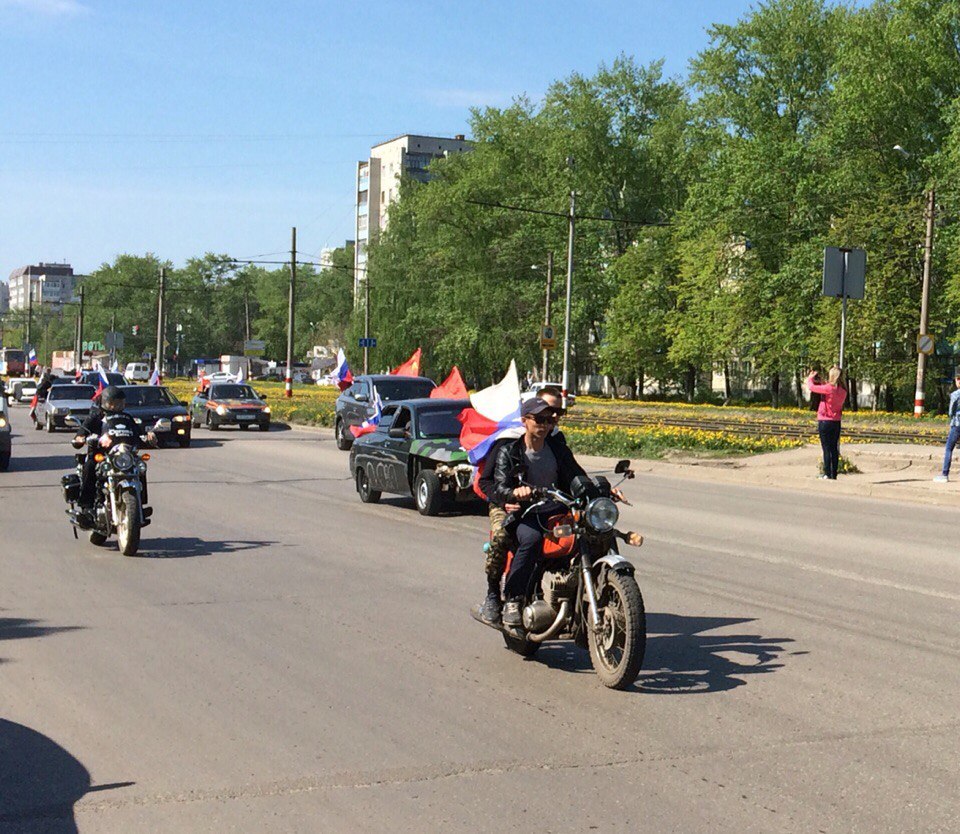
(63,401)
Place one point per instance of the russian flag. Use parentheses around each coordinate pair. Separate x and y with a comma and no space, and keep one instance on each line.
(154,377)
(494,414)
(32,356)
(341,375)
(371,423)
(102,380)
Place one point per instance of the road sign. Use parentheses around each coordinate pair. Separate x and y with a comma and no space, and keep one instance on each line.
(548,338)
(254,347)
(368,343)
(113,340)
(925,344)
(844,272)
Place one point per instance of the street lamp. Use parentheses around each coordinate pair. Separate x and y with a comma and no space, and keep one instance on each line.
(919,394)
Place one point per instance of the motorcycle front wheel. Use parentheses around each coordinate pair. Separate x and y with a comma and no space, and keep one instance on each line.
(128,528)
(618,645)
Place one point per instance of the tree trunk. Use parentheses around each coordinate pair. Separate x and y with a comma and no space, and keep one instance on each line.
(775,390)
(888,397)
(798,381)
(727,393)
(852,396)
(690,383)
(640,383)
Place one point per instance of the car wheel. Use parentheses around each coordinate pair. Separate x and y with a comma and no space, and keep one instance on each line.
(344,441)
(4,461)
(37,424)
(426,491)
(195,421)
(212,423)
(48,424)
(264,427)
(244,426)
(184,442)
(367,494)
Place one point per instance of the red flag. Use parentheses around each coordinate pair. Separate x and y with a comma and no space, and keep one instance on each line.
(453,386)
(409,368)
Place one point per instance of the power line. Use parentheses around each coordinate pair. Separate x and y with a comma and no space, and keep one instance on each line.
(566,216)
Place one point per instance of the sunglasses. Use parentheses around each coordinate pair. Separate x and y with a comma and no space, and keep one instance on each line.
(544,419)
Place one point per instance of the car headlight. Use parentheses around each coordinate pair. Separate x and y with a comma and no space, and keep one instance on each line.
(221,410)
(180,418)
(55,410)
(123,460)
(602,514)
(266,409)
(138,421)
(3,422)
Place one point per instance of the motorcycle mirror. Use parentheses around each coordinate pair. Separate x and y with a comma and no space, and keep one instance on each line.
(622,466)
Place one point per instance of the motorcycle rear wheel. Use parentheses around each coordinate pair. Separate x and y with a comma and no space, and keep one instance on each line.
(128,530)
(618,646)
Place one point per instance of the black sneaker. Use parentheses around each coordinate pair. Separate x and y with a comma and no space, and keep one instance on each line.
(511,614)
(491,609)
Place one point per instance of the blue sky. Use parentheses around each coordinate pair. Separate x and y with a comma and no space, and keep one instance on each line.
(185,126)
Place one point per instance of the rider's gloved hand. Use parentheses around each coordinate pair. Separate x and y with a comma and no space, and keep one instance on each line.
(522,493)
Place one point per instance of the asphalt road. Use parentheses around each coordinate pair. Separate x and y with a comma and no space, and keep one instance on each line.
(283,658)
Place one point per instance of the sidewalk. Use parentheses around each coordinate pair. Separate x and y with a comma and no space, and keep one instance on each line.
(890,471)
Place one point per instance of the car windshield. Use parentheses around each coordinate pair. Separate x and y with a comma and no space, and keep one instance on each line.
(404,389)
(72,392)
(232,392)
(440,422)
(148,395)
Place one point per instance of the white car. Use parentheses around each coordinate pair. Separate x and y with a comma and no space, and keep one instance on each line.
(137,372)
(21,389)
(537,387)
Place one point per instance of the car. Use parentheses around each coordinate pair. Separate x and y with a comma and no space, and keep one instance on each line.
(356,404)
(415,450)
(229,403)
(6,435)
(537,387)
(21,389)
(74,400)
(93,378)
(148,403)
(136,372)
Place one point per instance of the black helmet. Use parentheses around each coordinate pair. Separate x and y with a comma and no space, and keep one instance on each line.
(112,398)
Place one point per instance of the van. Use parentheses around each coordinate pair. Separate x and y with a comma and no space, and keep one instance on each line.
(137,372)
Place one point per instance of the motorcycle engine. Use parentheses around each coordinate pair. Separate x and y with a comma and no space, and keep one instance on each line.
(558,586)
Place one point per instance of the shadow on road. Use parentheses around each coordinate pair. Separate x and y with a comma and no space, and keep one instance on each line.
(19,628)
(682,659)
(42,463)
(182,547)
(40,782)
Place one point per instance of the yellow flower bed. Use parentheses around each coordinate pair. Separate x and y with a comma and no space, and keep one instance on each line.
(653,441)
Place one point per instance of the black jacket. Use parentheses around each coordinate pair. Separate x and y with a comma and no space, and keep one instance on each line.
(511,460)
(486,482)
(119,422)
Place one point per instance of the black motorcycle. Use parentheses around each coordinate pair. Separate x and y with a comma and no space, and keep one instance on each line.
(120,502)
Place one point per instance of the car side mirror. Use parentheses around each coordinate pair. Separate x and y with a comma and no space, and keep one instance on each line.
(398,432)
(361,398)
(261,396)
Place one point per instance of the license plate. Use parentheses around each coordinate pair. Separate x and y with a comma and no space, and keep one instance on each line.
(244,416)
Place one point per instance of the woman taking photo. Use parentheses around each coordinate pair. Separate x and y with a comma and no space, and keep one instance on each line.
(833,394)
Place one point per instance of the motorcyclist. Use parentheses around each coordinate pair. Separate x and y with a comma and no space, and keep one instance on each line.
(537,459)
(490,610)
(121,426)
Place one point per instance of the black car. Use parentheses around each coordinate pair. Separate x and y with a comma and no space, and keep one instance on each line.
(357,403)
(93,378)
(148,403)
(415,450)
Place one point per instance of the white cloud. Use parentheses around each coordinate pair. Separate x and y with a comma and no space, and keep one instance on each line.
(458,97)
(48,8)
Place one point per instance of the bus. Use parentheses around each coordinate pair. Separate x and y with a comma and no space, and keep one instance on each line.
(12,362)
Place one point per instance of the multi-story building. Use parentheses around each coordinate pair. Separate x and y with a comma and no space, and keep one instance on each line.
(4,297)
(51,284)
(378,184)
(326,254)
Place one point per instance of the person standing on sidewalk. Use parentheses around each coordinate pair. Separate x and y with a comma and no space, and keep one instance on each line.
(833,395)
(953,412)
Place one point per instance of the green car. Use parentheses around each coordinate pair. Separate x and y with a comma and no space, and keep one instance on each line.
(415,450)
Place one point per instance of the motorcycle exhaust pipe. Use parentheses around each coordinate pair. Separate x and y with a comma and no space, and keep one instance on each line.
(554,628)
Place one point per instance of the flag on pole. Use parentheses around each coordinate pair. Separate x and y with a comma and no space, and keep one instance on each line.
(453,387)
(371,423)
(240,375)
(102,381)
(341,375)
(155,377)
(32,356)
(494,413)
(115,367)
(409,368)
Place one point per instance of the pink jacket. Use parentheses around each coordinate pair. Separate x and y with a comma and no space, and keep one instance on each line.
(831,405)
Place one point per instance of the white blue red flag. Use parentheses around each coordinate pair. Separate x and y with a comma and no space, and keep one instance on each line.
(494,414)
(155,377)
(371,423)
(102,380)
(240,374)
(341,375)
(115,367)
(32,356)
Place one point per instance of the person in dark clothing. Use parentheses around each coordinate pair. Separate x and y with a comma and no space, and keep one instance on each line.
(43,388)
(110,423)
(537,459)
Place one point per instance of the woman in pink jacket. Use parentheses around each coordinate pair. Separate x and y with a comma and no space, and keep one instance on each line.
(833,394)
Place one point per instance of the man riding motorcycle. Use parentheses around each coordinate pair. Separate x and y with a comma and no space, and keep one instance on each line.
(119,423)
(538,459)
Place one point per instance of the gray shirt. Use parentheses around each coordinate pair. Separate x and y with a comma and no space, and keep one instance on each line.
(541,467)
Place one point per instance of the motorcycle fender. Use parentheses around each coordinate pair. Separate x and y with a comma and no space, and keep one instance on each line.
(615,562)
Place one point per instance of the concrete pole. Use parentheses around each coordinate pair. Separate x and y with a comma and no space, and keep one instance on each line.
(288,386)
(546,315)
(566,316)
(366,320)
(924,303)
(158,359)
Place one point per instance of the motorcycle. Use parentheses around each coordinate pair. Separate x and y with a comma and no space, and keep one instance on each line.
(120,503)
(583,589)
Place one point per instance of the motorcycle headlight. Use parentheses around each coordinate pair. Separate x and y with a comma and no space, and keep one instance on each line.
(221,410)
(602,515)
(123,460)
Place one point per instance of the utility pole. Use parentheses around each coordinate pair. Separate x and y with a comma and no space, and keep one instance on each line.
(246,314)
(288,389)
(113,339)
(30,310)
(925,302)
(162,289)
(366,318)
(546,315)
(566,317)
(78,353)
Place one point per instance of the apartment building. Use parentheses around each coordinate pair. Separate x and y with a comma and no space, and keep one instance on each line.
(378,183)
(51,284)
(4,297)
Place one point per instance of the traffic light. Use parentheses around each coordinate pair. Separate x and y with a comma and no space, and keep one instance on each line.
(136,330)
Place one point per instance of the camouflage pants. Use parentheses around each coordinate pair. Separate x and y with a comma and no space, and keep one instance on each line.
(499,544)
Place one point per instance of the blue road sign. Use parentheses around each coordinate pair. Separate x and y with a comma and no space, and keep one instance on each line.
(368,343)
